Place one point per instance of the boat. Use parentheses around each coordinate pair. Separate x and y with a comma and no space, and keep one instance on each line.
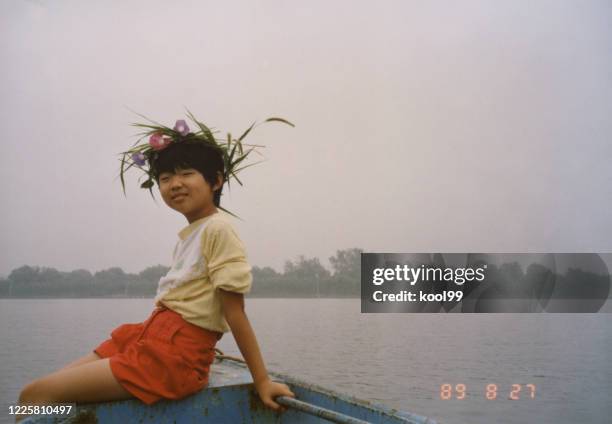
(231,398)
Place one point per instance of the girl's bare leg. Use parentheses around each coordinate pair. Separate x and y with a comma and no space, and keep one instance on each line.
(89,382)
(92,356)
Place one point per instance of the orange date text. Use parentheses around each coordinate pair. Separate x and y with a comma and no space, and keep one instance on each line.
(490,392)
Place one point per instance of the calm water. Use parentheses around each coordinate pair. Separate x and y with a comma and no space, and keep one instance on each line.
(400,360)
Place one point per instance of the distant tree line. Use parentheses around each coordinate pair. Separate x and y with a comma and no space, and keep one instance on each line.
(303,277)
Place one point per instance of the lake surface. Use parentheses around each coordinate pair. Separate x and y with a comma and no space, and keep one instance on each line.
(399,360)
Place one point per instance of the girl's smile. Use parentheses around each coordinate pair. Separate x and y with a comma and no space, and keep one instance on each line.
(179,197)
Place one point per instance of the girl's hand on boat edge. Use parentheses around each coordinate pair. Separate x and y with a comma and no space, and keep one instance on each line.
(268,390)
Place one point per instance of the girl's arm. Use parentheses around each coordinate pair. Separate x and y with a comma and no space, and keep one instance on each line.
(233,310)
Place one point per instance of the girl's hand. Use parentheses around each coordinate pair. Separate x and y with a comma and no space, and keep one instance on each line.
(268,390)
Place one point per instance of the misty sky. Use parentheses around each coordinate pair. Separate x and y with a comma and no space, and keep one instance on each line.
(421,126)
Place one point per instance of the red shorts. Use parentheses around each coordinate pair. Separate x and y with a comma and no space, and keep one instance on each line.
(164,357)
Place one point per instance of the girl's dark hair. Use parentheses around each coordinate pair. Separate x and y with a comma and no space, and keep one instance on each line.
(204,158)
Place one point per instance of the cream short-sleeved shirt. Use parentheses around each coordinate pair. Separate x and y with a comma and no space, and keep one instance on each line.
(209,255)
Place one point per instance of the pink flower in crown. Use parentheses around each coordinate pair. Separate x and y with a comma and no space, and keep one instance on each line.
(159,142)
(181,127)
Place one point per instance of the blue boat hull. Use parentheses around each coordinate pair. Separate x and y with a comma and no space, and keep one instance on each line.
(231,398)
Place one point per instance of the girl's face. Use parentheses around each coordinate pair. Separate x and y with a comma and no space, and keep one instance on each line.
(187,192)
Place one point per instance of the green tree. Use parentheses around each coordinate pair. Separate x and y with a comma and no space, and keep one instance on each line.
(346,280)
(110,282)
(154,273)
(347,262)
(306,277)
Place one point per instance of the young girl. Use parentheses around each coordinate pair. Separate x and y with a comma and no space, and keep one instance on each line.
(168,356)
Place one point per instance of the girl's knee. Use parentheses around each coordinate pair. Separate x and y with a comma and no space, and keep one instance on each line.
(34,393)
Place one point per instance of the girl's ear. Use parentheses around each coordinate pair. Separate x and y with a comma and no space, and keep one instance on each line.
(219,183)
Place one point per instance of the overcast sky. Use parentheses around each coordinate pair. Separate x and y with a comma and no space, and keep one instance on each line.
(421,126)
